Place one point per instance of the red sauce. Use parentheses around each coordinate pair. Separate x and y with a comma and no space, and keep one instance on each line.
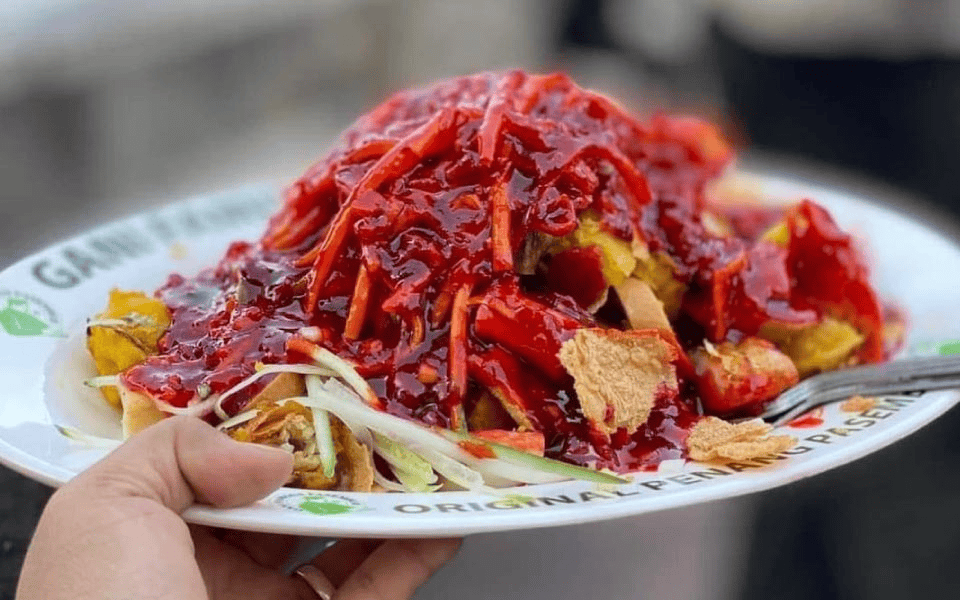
(223,321)
(399,249)
(750,222)
(810,420)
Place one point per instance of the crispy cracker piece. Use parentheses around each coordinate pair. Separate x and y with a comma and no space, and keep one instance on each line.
(858,404)
(354,459)
(643,309)
(284,385)
(290,426)
(308,472)
(139,412)
(618,375)
(715,439)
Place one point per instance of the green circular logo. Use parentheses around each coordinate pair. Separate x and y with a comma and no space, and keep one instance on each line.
(24,315)
(324,506)
(320,503)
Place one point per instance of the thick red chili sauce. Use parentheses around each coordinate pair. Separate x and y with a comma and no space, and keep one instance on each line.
(402,250)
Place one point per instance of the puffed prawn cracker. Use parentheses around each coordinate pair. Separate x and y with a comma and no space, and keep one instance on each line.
(284,385)
(618,374)
(357,460)
(715,439)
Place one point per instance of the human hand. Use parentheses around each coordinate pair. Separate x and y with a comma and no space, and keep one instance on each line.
(115,530)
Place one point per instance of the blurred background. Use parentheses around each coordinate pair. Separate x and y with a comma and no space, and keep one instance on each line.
(108,107)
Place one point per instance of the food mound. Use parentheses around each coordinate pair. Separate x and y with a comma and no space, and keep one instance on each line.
(500,279)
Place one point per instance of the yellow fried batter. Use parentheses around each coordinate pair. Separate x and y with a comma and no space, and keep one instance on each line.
(125,334)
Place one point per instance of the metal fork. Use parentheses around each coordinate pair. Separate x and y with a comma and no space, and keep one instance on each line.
(897,377)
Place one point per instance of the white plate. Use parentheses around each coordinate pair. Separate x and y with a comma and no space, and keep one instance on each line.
(46,298)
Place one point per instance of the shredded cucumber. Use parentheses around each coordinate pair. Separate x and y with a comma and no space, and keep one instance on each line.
(321,428)
(510,464)
(413,471)
(529,466)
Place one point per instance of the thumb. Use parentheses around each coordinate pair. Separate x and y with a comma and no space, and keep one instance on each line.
(182,460)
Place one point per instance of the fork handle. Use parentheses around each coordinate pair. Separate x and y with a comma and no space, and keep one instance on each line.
(905,370)
(898,377)
(902,386)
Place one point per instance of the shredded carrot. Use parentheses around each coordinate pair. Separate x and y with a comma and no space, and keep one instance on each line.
(489,133)
(297,231)
(458,347)
(534,88)
(418,332)
(301,346)
(442,303)
(315,353)
(502,99)
(468,201)
(427,374)
(426,139)
(500,228)
(372,149)
(306,191)
(441,306)
(358,305)
(326,253)
(477,449)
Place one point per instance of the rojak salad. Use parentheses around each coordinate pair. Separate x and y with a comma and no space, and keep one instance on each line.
(501,279)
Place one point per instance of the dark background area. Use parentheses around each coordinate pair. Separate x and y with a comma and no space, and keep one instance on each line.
(104,112)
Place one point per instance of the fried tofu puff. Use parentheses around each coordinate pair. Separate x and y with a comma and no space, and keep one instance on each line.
(125,334)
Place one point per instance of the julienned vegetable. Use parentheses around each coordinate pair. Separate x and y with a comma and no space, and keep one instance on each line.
(321,428)
(413,451)
(501,279)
